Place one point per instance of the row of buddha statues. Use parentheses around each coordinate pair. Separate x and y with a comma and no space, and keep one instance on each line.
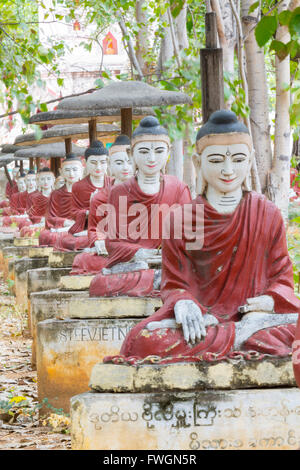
(230,290)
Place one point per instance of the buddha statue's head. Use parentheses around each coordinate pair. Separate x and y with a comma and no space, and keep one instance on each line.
(71,169)
(150,147)
(224,154)
(15,172)
(120,163)
(96,159)
(21,182)
(30,180)
(46,181)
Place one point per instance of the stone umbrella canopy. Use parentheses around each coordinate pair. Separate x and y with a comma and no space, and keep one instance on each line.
(63,133)
(53,151)
(10,149)
(124,96)
(6,159)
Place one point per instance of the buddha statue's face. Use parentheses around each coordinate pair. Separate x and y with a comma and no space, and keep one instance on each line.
(120,166)
(21,185)
(46,181)
(31,183)
(225,168)
(72,171)
(15,173)
(150,157)
(96,165)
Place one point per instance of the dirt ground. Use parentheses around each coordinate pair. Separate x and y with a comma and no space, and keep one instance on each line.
(20,427)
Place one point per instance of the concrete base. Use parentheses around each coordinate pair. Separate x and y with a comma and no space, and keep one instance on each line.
(5,241)
(255,419)
(39,251)
(67,350)
(75,282)
(21,267)
(71,304)
(26,241)
(62,259)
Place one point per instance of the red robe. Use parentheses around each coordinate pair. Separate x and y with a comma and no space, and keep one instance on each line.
(31,197)
(59,210)
(80,204)
(91,263)
(10,189)
(172,191)
(19,207)
(244,255)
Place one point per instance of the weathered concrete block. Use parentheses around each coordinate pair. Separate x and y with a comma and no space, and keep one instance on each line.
(21,267)
(77,304)
(61,259)
(5,240)
(233,374)
(11,254)
(75,282)
(254,419)
(42,279)
(39,251)
(67,350)
(26,241)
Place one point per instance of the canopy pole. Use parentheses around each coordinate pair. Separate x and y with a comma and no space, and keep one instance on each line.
(126,122)
(7,175)
(92,130)
(31,163)
(38,163)
(68,145)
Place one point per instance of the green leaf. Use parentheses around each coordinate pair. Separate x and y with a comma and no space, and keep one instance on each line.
(253,7)
(265,30)
(294,24)
(60,81)
(284,17)
(280,48)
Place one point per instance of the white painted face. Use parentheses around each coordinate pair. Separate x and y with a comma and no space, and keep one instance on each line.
(15,173)
(72,171)
(120,166)
(31,184)
(225,168)
(21,185)
(96,165)
(46,181)
(150,157)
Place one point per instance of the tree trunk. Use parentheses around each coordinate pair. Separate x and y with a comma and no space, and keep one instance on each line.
(141,38)
(226,31)
(280,173)
(257,95)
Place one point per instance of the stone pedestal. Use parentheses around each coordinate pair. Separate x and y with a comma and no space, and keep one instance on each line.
(77,304)
(75,283)
(232,405)
(26,241)
(5,241)
(21,267)
(66,352)
(62,259)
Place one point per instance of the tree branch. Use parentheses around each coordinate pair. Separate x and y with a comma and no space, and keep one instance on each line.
(130,51)
(220,24)
(174,41)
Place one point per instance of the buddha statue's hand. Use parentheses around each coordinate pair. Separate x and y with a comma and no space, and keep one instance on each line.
(144,254)
(100,247)
(189,316)
(261,303)
(69,223)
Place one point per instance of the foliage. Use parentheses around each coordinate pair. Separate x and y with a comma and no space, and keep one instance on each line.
(293,239)
(23,56)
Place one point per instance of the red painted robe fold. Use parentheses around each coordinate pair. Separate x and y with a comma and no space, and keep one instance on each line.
(244,255)
(21,205)
(59,210)
(29,207)
(81,194)
(38,209)
(10,189)
(91,263)
(172,191)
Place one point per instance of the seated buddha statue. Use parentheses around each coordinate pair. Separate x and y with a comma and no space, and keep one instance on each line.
(58,215)
(22,219)
(40,201)
(139,207)
(10,188)
(96,165)
(120,169)
(231,288)
(17,203)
